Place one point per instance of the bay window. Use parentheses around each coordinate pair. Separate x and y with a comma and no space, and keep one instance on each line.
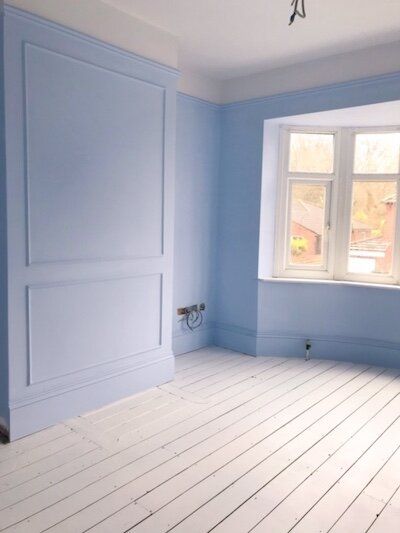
(337,215)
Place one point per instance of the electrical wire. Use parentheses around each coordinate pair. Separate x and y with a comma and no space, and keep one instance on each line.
(301,12)
(194,319)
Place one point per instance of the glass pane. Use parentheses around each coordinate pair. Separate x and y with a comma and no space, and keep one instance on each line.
(373,221)
(377,153)
(307,224)
(311,152)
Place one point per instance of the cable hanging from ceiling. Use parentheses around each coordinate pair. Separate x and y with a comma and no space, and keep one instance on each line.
(298,10)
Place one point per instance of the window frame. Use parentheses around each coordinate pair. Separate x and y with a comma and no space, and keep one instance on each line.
(338,213)
(282,268)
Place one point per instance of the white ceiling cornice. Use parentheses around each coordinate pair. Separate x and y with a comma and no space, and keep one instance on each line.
(108,24)
(211,41)
(225,39)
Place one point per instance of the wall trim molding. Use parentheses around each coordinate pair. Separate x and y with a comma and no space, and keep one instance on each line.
(201,101)
(260,341)
(188,341)
(10,10)
(29,230)
(187,333)
(360,341)
(358,83)
(28,417)
(236,338)
(294,335)
(279,97)
(37,396)
(237,330)
(73,376)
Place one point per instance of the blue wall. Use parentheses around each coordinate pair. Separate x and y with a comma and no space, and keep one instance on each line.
(82,280)
(196,186)
(261,317)
(4,412)
(90,210)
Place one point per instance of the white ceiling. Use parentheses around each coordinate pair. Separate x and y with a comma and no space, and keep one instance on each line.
(228,38)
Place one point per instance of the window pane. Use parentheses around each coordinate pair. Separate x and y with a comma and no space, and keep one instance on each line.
(373,221)
(307,224)
(377,153)
(311,152)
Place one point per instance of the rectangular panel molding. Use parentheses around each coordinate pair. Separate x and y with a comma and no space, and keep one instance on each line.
(76,326)
(94,161)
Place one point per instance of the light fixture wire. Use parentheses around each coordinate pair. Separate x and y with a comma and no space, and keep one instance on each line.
(298,9)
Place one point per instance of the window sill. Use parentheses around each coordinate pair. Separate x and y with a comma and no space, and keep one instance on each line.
(331,282)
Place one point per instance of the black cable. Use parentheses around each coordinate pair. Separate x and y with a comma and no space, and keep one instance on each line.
(296,11)
(194,319)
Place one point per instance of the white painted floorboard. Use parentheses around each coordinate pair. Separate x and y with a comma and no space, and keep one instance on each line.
(234,444)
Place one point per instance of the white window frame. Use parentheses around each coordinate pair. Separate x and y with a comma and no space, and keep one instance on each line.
(338,208)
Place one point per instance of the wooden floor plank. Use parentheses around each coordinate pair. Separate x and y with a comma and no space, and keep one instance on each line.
(197,362)
(388,520)
(52,505)
(352,481)
(110,472)
(136,413)
(198,357)
(30,457)
(235,444)
(141,486)
(32,441)
(210,370)
(40,483)
(174,427)
(233,376)
(46,465)
(298,503)
(299,457)
(221,374)
(371,501)
(130,404)
(191,500)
